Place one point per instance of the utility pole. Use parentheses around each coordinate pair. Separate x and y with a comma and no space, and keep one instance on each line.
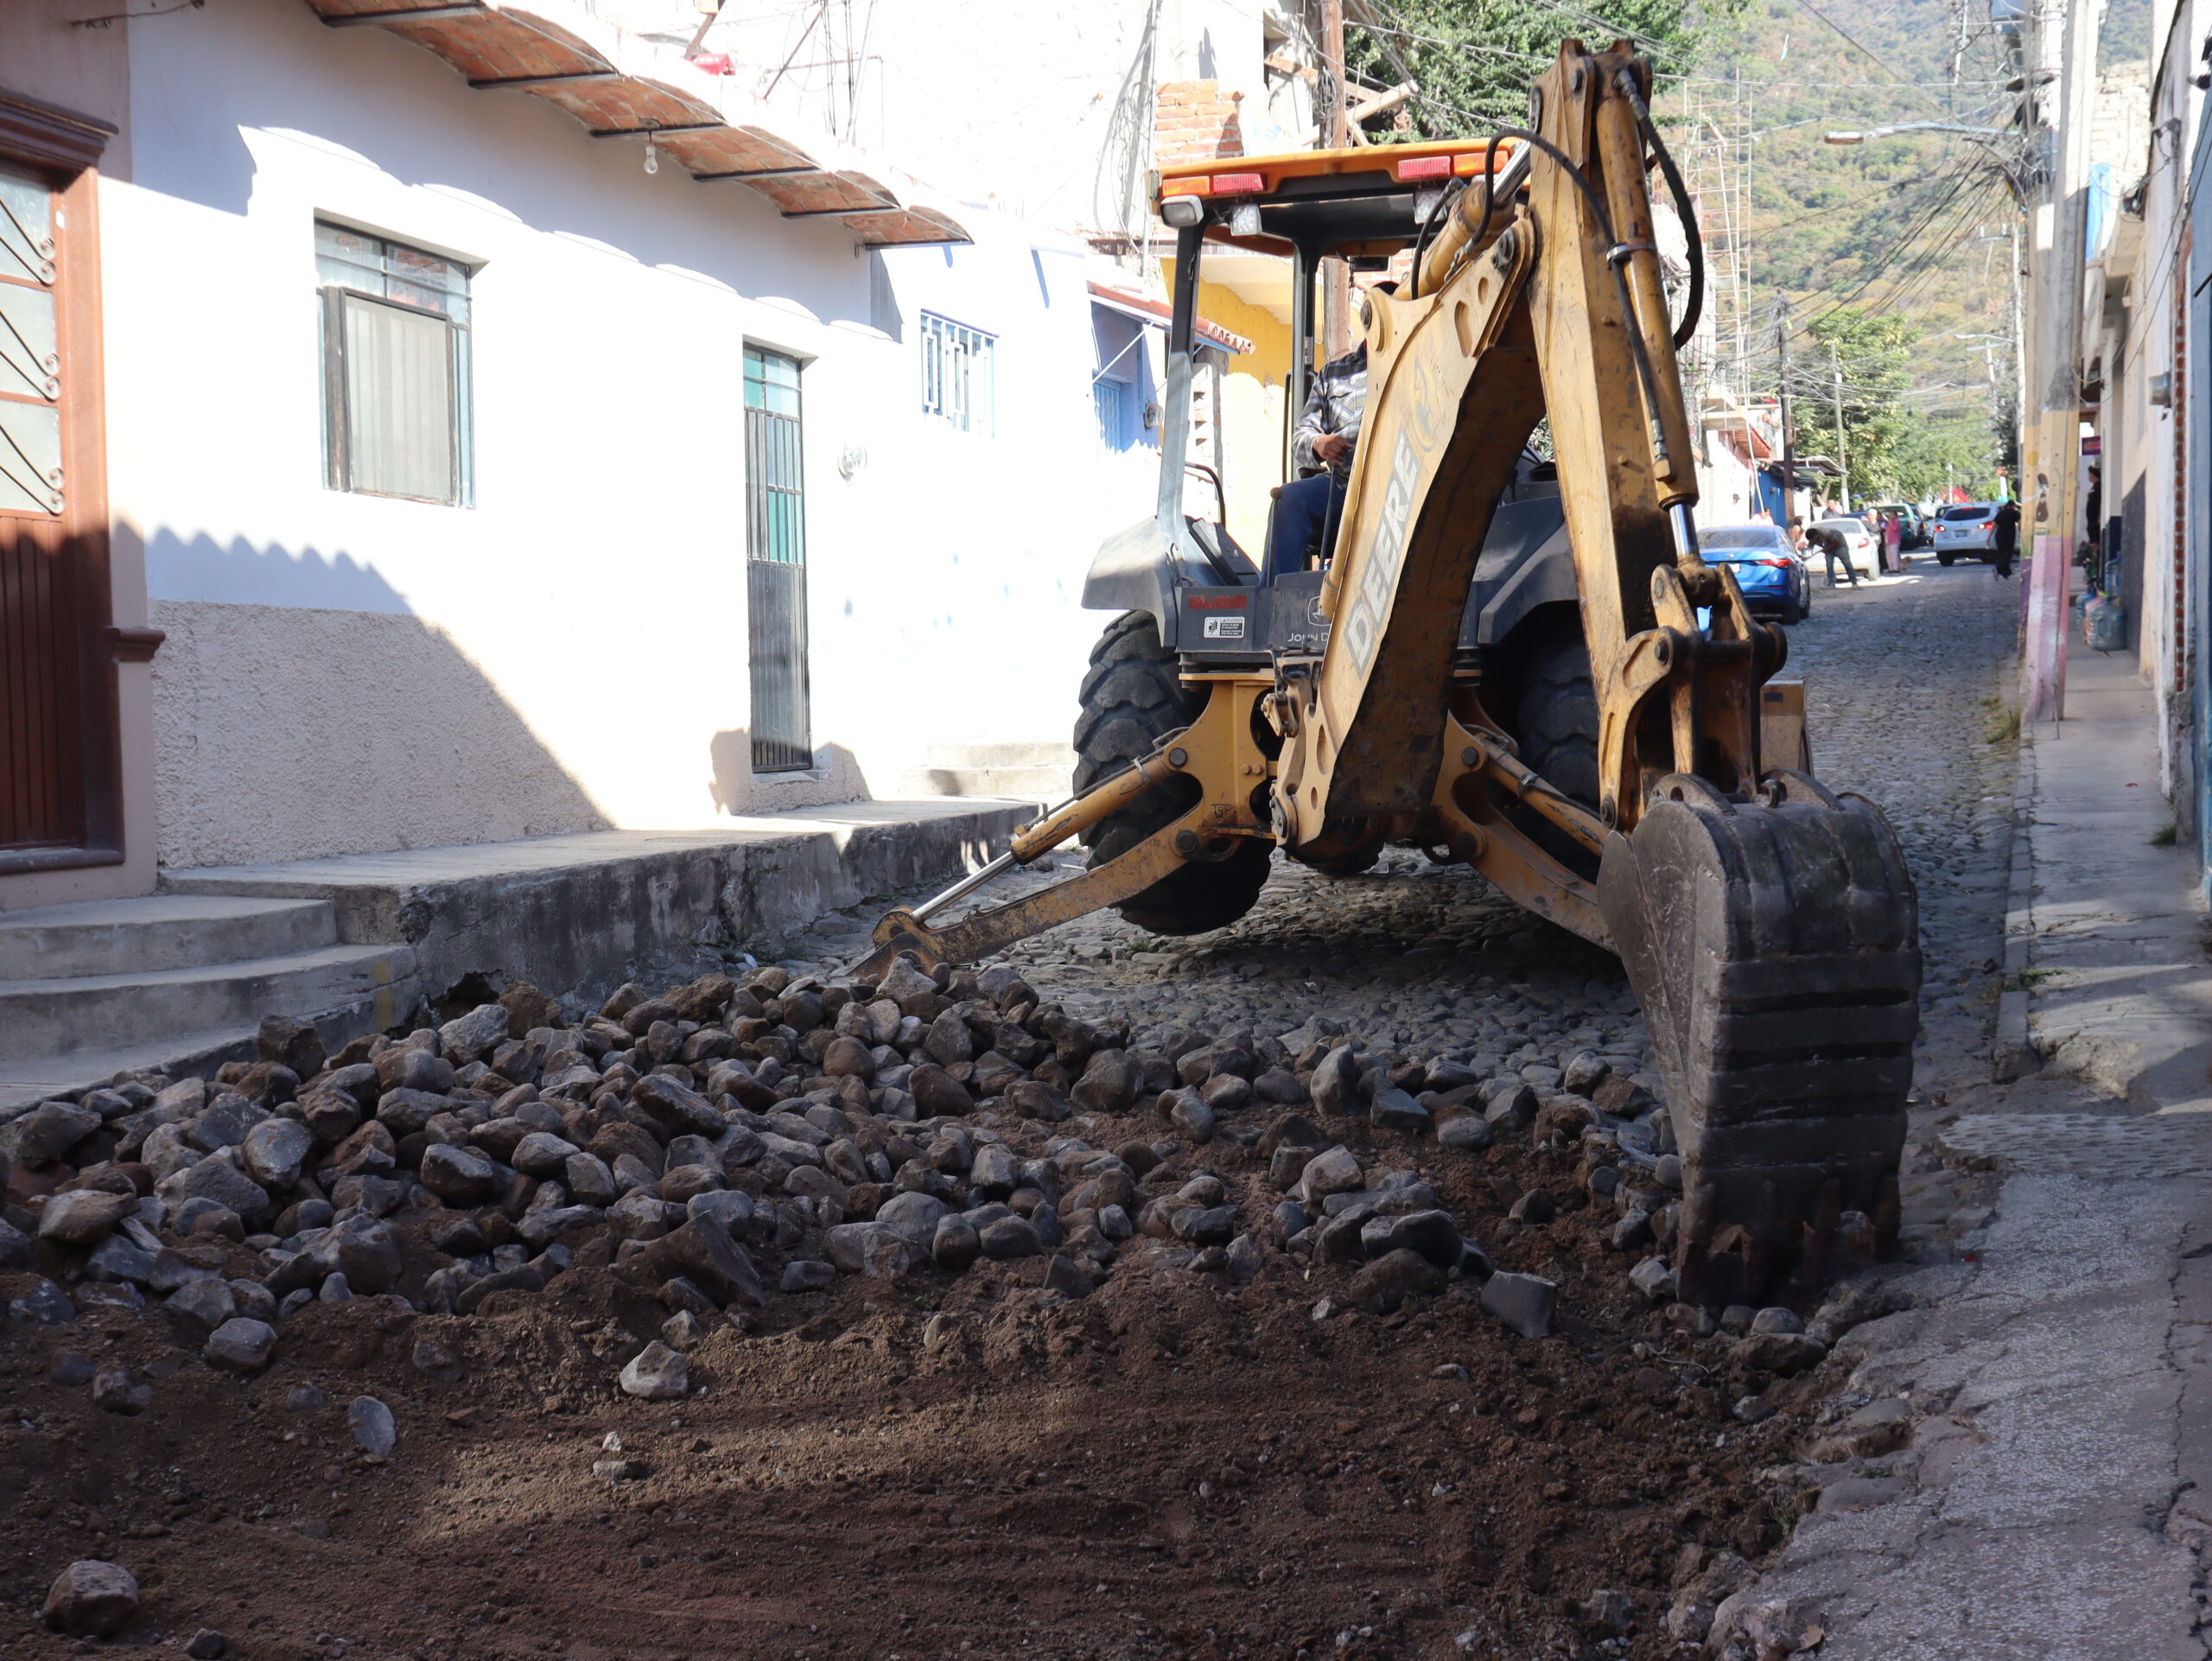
(2065,37)
(1336,302)
(2019,336)
(1789,433)
(1842,455)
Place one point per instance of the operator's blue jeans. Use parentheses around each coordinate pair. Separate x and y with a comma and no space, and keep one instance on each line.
(1301,512)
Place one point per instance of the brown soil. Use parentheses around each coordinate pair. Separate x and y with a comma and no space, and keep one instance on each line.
(1170,1466)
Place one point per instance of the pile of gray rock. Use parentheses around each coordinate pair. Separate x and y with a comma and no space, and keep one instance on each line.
(847,1128)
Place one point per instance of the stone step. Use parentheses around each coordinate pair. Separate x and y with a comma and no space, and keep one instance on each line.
(157,932)
(367,987)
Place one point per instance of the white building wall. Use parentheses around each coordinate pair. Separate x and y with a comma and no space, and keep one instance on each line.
(348,673)
(2157,303)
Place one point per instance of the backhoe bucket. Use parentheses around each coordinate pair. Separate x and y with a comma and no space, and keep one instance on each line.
(1774,946)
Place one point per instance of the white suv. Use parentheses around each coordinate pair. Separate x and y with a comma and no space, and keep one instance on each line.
(1964,528)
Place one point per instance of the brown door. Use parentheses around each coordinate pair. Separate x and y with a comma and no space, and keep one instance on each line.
(59,790)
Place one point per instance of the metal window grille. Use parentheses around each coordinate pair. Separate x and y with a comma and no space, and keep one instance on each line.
(1107,396)
(775,522)
(957,364)
(396,381)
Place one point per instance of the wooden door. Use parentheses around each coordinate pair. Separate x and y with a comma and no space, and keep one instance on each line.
(59,786)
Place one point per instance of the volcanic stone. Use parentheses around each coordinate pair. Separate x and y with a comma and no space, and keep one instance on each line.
(461,1176)
(876,1250)
(84,1216)
(275,1152)
(92,1599)
(375,1431)
(215,1178)
(914,1215)
(241,1344)
(1523,1303)
(51,1129)
(702,1250)
(954,1245)
(1391,1279)
(657,1373)
(1009,1238)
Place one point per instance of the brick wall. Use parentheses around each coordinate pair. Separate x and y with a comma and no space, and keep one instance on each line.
(1195,120)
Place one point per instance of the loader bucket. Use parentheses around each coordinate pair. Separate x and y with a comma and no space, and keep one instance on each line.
(1774,946)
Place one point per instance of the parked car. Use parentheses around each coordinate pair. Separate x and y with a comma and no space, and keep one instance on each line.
(1768,570)
(1964,528)
(1858,544)
(1915,526)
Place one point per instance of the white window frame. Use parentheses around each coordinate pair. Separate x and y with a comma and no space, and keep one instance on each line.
(959,371)
(342,276)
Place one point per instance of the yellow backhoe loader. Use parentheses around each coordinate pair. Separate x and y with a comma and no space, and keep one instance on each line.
(1524,664)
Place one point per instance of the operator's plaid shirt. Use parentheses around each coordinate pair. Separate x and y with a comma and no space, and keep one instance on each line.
(1336,404)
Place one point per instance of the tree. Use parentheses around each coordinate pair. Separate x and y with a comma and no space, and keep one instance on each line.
(1896,451)
(1474,61)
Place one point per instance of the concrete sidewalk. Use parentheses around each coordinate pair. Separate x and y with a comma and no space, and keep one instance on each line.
(2107,974)
(2054,1500)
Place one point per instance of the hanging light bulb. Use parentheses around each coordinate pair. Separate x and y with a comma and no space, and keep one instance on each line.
(652,155)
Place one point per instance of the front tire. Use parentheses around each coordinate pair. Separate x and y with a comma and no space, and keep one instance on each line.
(1131,699)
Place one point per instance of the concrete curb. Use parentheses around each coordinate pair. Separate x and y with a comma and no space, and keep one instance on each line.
(2013,1054)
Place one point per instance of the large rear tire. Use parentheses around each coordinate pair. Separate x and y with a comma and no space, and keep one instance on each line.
(1555,722)
(1131,699)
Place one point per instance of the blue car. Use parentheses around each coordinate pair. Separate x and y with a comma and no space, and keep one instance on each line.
(1774,580)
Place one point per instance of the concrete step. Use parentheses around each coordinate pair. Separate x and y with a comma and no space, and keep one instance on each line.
(157,932)
(1034,768)
(1030,753)
(366,987)
(42,1078)
(1044,783)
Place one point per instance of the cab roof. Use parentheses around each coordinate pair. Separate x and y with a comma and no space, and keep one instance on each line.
(1360,200)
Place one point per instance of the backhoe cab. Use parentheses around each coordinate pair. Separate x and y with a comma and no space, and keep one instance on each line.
(1527,667)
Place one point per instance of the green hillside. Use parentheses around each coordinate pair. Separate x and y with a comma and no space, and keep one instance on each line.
(1889,250)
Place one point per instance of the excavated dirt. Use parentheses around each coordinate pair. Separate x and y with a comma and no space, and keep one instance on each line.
(938,1465)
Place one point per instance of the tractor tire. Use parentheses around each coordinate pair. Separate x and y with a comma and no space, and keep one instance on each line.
(1556,716)
(1131,699)
(1555,722)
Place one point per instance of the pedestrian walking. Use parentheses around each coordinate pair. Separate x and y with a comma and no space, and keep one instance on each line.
(2004,537)
(1893,544)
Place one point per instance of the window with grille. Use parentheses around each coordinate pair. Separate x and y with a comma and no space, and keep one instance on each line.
(1106,398)
(775,537)
(395,360)
(956,373)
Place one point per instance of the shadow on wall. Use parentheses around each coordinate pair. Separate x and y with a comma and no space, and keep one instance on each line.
(737,790)
(242,575)
(336,723)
